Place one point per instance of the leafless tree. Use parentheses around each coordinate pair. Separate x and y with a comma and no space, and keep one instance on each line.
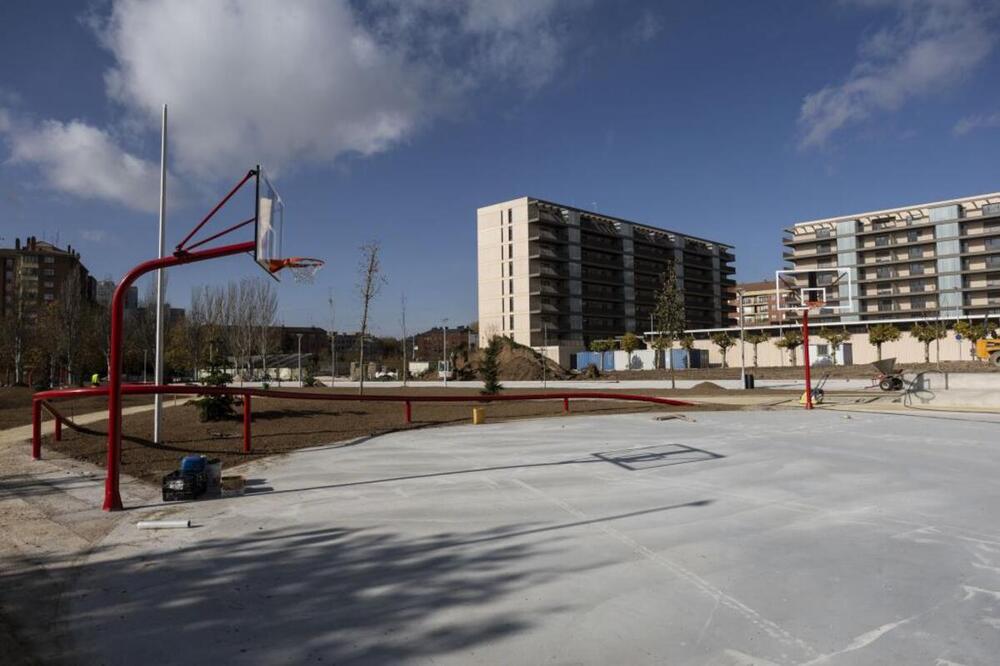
(369,285)
(263,311)
(68,332)
(239,314)
(402,323)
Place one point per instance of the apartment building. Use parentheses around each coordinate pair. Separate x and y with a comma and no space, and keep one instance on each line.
(34,273)
(757,304)
(925,260)
(106,291)
(555,274)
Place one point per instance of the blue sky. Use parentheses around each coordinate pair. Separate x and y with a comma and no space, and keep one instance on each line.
(394,121)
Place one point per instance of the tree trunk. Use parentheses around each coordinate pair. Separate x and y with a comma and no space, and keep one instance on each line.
(755,356)
(927,352)
(791,355)
(878,350)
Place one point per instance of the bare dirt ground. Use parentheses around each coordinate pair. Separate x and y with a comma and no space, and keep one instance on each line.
(15,405)
(281,426)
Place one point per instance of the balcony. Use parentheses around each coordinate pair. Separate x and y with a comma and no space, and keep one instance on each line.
(544,269)
(540,233)
(600,242)
(601,259)
(543,251)
(655,253)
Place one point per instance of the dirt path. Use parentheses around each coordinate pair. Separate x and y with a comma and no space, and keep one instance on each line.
(23,433)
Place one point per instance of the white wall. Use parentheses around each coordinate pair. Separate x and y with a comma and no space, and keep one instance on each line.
(906,350)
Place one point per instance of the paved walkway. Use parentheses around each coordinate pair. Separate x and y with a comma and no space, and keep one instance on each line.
(23,433)
(724,538)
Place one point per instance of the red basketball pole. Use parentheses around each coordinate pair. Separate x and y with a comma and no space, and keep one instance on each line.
(247,417)
(112,496)
(805,353)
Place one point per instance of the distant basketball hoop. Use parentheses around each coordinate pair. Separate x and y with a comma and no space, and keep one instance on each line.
(805,290)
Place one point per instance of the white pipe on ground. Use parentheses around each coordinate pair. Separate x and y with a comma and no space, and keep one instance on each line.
(162,524)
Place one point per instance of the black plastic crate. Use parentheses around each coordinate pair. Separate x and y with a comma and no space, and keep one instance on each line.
(179,486)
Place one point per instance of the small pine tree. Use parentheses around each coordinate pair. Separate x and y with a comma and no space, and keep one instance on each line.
(215,407)
(880,334)
(668,314)
(489,368)
(723,341)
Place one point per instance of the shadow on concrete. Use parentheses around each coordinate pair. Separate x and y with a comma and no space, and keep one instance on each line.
(336,595)
(672,453)
(657,455)
(24,486)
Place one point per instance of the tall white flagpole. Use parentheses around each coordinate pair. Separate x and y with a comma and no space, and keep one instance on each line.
(160,277)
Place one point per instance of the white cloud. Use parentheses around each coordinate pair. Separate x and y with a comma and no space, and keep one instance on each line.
(94,235)
(971,123)
(80,159)
(310,80)
(647,27)
(931,45)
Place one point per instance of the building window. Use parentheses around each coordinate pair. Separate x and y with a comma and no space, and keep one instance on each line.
(916,269)
(912,236)
(49,285)
(882,257)
(49,260)
(512,322)
(510,234)
(881,241)
(915,253)
(48,272)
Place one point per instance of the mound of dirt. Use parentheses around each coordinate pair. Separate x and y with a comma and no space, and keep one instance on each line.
(707,387)
(517,363)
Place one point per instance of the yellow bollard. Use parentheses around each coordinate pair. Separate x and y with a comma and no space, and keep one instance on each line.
(478,415)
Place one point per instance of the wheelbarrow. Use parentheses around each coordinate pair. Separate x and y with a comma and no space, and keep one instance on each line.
(889,377)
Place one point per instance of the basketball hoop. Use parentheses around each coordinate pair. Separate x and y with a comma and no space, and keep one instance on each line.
(303,269)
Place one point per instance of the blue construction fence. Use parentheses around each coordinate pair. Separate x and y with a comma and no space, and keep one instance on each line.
(640,360)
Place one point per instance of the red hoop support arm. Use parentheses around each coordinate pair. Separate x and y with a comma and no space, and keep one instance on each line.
(180,246)
(112,496)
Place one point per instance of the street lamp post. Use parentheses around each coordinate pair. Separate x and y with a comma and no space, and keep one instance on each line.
(545,353)
(444,352)
(299,335)
(333,342)
(743,347)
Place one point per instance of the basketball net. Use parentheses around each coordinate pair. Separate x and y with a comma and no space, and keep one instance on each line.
(303,269)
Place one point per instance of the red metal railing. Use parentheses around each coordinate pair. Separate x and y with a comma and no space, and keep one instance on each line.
(43,399)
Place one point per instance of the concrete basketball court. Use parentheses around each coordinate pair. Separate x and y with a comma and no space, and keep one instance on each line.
(718,538)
